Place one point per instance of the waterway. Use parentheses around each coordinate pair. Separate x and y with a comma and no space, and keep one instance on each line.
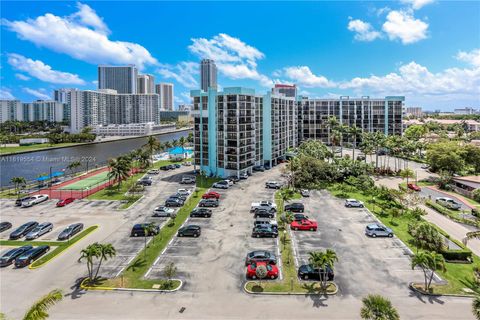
(30,165)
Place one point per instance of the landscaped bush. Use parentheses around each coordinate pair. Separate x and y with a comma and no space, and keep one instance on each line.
(426,236)
(476,195)
(446,212)
(457,255)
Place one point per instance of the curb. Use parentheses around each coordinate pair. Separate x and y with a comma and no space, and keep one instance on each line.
(410,285)
(290,293)
(69,247)
(85,287)
(133,204)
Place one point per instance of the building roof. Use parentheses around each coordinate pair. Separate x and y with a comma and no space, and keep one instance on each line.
(472,181)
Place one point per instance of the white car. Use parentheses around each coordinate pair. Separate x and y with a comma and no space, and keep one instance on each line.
(221,185)
(33,200)
(187,180)
(230,182)
(349,203)
(184,192)
(265,205)
(448,203)
(154,171)
(162,211)
(187,163)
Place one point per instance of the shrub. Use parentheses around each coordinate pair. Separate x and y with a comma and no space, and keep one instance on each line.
(427,236)
(476,195)
(457,255)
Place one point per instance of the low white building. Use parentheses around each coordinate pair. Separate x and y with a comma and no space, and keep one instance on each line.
(131,129)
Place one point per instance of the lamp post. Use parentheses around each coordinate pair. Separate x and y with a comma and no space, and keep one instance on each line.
(373,205)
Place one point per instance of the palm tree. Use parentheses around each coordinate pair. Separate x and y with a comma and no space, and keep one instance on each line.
(39,309)
(376,307)
(148,229)
(174,142)
(428,262)
(476,307)
(152,145)
(355,132)
(89,253)
(145,160)
(72,166)
(407,173)
(119,169)
(17,182)
(286,194)
(106,251)
(182,142)
(344,131)
(168,144)
(332,124)
(323,260)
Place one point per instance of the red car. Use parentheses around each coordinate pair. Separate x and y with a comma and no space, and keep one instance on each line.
(64,202)
(211,195)
(413,187)
(304,224)
(272,270)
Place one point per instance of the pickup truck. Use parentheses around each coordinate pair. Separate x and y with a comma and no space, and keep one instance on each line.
(265,205)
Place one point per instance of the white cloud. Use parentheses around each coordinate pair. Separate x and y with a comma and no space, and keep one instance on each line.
(41,71)
(21,77)
(303,76)
(472,57)
(37,93)
(402,25)
(417,4)
(186,97)
(5,94)
(95,82)
(81,36)
(184,73)
(363,30)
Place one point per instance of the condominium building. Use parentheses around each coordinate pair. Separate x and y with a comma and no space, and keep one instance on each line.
(131,129)
(466,111)
(208,74)
(123,79)
(185,107)
(165,91)
(40,110)
(11,110)
(415,112)
(288,90)
(145,83)
(236,129)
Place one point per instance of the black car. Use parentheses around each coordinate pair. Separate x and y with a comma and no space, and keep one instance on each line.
(70,231)
(138,230)
(10,256)
(30,256)
(308,272)
(23,230)
(177,166)
(295,207)
(144,182)
(190,230)
(234,179)
(260,256)
(19,201)
(165,168)
(263,214)
(5,226)
(208,203)
(173,202)
(201,212)
(172,167)
(258,168)
(179,196)
(264,232)
(300,217)
(267,167)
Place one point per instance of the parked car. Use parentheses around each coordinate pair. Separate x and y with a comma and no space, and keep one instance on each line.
(9,257)
(5,226)
(260,256)
(201,212)
(174,202)
(187,180)
(299,217)
(70,231)
(263,214)
(153,171)
(64,202)
(31,255)
(211,195)
(187,163)
(266,222)
(177,165)
(448,203)
(376,230)
(221,185)
(138,230)
(266,205)
(258,168)
(179,196)
(165,168)
(413,187)
(190,230)
(349,203)
(295,207)
(145,181)
(185,192)
(162,211)
(264,232)
(304,224)
(267,167)
(425,166)
(19,201)
(208,203)
(39,230)
(230,182)
(23,230)
(243,175)
(305,193)
(172,167)
(273,185)
(272,270)
(235,179)
(308,272)
(33,200)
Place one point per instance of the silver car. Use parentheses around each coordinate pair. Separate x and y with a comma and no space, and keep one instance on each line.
(162,211)
(448,203)
(221,185)
(377,230)
(350,203)
(39,230)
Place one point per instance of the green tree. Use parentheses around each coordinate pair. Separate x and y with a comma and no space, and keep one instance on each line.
(144,159)
(152,145)
(427,237)
(17,182)
(323,260)
(376,307)
(119,169)
(355,132)
(313,148)
(89,253)
(428,262)
(286,194)
(39,310)
(476,307)
(332,124)
(446,155)
(415,132)
(472,157)
(72,166)
(170,272)
(106,251)
(407,173)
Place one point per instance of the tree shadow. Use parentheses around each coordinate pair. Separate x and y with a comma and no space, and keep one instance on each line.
(315,294)
(137,264)
(426,298)
(77,291)
(471,284)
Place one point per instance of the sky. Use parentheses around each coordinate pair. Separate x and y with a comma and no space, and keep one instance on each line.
(425,50)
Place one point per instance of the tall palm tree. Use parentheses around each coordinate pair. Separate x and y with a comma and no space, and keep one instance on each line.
(174,142)
(39,309)
(182,142)
(151,145)
(106,251)
(119,169)
(323,260)
(168,144)
(286,194)
(376,307)
(89,253)
(144,160)
(17,182)
(428,262)
(355,132)
(476,307)
(332,124)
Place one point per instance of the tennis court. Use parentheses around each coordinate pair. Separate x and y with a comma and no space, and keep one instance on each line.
(88,182)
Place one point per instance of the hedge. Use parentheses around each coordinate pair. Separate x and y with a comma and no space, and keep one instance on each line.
(446,212)
(457,255)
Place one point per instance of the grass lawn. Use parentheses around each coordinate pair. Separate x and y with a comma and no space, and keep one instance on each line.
(114,192)
(133,276)
(161,163)
(7,150)
(60,246)
(8,194)
(459,275)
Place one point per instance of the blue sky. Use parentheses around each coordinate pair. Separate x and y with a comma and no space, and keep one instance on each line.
(427,50)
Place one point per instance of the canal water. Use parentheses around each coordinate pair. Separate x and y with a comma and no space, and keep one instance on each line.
(30,165)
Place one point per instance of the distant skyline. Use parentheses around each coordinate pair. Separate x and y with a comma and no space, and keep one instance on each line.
(426,50)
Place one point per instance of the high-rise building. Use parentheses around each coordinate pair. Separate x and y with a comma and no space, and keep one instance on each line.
(185,107)
(466,111)
(414,112)
(11,110)
(289,90)
(145,83)
(123,79)
(40,110)
(208,74)
(165,90)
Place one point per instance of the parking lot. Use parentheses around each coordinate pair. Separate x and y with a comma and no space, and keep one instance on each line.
(365,264)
